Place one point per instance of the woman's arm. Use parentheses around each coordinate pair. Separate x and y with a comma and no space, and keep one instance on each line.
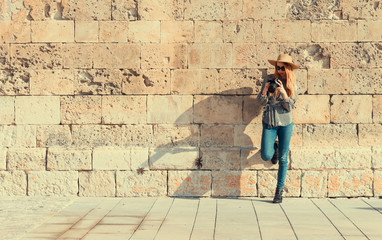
(262,97)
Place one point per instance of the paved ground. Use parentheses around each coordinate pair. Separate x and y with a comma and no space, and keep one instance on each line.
(177,218)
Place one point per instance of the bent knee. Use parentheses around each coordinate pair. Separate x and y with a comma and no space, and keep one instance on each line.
(266,156)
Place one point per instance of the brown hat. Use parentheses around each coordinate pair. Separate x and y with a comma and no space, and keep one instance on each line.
(284,58)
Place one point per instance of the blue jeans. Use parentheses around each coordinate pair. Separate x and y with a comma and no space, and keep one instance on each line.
(267,148)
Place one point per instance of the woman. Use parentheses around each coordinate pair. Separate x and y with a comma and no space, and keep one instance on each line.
(279,100)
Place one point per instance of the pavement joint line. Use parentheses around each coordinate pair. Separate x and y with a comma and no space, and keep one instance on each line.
(294,232)
(164,219)
(349,219)
(376,209)
(143,219)
(328,219)
(196,215)
(216,218)
(257,219)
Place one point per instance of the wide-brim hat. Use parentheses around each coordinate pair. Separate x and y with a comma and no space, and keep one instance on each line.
(284,58)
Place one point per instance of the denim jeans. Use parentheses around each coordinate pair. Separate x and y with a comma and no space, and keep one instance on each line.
(284,134)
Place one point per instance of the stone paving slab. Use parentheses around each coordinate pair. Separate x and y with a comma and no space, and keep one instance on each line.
(189,218)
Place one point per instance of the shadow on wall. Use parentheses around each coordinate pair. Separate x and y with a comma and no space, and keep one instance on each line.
(211,159)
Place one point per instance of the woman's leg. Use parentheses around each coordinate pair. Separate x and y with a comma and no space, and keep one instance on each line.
(284,134)
(268,139)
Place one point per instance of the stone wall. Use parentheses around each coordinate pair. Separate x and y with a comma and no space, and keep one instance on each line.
(157,98)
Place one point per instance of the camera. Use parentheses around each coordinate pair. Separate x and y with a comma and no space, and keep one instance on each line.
(273,85)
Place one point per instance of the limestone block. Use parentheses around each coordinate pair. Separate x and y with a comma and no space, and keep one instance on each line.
(15,32)
(123,109)
(86,31)
(233,9)
(252,110)
(113,31)
(370,134)
(306,55)
(139,158)
(172,55)
(96,184)
(376,157)
(234,183)
(7,110)
(116,55)
(61,183)
(173,158)
(377,109)
(41,10)
(357,183)
(124,10)
(301,76)
(204,10)
(52,82)
(147,184)
(298,31)
(88,136)
(377,182)
(314,184)
(3,159)
(321,10)
(52,31)
(169,109)
(251,159)
(208,32)
(80,109)
(137,135)
(260,10)
(5,58)
(249,55)
(329,81)
(77,55)
(351,109)
(194,81)
(267,182)
(28,159)
(65,159)
(241,31)
(177,31)
(210,55)
(353,55)
(87,10)
(239,81)
(37,110)
(334,31)
(160,9)
(14,82)
(312,109)
(18,136)
(36,56)
(146,81)
(217,135)
(189,183)
(331,158)
(98,82)
(111,159)
(53,136)
(218,109)
(144,31)
(317,135)
(354,9)
(13,183)
(166,135)
(248,135)
(369,30)
(220,158)
(366,81)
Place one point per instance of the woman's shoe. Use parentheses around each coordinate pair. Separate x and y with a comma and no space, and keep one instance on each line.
(276,154)
(278,196)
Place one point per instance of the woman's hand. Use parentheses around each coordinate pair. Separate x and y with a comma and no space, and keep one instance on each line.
(282,89)
(265,90)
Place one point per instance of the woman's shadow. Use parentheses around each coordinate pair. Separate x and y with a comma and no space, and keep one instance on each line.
(216,157)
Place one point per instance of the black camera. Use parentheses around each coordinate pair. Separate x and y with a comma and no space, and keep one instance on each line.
(273,85)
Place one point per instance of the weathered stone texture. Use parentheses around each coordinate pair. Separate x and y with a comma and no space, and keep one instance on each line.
(147,184)
(124,10)
(53,136)
(116,55)
(234,183)
(177,31)
(377,109)
(160,10)
(169,109)
(61,183)
(98,82)
(369,30)
(216,158)
(377,158)
(172,55)
(298,31)
(87,10)
(89,136)
(329,81)
(18,136)
(312,109)
(179,158)
(377,183)
(15,32)
(175,135)
(208,32)
(7,113)
(241,31)
(36,56)
(267,181)
(86,31)
(330,135)
(144,31)
(145,81)
(59,159)
(350,183)
(13,183)
(194,81)
(81,109)
(139,158)
(52,82)
(113,31)
(208,55)
(239,81)
(314,10)
(217,135)
(96,183)
(189,183)
(314,184)
(250,55)
(369,134)
(111,159)
(137,135)
(77,55)
(351,109)
(3,159)
(260,9)
(334,31)
(366,81)
(308,55)
(28,159)
(52,31)
(37,110)
(123,109)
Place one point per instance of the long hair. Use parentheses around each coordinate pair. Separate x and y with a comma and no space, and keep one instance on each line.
(290,80)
